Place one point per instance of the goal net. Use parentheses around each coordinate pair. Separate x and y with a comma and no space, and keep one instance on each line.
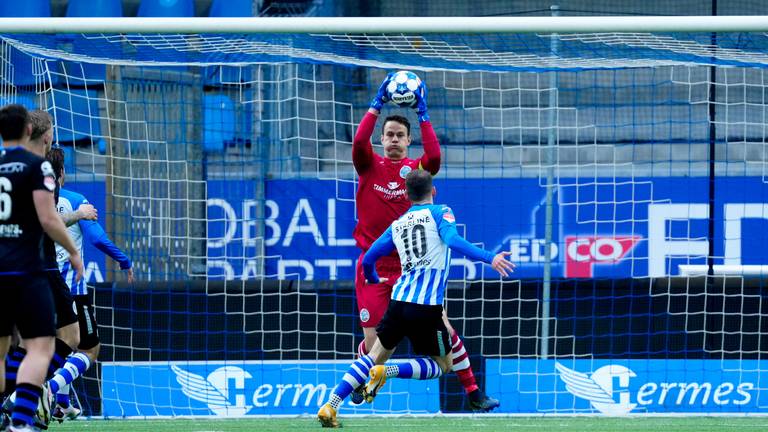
(626,173)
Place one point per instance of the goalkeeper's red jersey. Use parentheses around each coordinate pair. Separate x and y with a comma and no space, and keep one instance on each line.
(381,197)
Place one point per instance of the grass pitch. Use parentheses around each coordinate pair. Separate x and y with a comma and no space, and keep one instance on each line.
(430,424)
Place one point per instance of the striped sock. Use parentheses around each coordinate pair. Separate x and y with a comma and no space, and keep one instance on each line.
(461,364)
(12,362)
(62,397)
(27,398)
(356,374)
(420,369)
(75,366)
(59,357)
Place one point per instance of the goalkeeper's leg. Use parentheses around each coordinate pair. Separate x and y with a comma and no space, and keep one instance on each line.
(372,303)
(478,400)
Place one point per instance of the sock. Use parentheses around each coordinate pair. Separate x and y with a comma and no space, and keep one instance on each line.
(27,398)
(62,397)
(361,350)
(12,362)
(75,366)
(355,375)
(60,355)
(420,369)
(461,364)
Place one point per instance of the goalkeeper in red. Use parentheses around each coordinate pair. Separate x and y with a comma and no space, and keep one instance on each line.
(381,199)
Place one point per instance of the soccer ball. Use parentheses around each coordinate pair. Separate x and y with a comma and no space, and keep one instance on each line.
(402,89)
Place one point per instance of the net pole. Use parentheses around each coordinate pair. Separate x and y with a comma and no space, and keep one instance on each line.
(551,142)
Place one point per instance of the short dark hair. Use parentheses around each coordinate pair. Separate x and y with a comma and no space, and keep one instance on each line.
(41,123)
(14,119)
(56,157)
(418,185)
(399,119)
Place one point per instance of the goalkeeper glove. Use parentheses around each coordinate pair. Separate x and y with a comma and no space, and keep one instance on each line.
(381,96)
(421,103)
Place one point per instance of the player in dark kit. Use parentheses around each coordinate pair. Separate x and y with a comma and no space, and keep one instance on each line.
(67,332)
(26,210)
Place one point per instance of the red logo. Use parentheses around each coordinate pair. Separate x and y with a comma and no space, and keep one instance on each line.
(581,253)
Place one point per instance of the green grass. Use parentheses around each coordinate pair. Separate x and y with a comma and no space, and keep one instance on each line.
(430,424)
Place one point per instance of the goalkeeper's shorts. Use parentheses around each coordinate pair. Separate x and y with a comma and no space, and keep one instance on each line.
(373,299)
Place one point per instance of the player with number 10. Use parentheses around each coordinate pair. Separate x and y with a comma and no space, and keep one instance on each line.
(423,238)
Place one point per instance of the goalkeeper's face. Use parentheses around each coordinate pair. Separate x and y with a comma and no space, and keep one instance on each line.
(395,140)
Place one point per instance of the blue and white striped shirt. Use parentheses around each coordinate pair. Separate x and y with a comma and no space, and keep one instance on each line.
(68,202)
(423,237)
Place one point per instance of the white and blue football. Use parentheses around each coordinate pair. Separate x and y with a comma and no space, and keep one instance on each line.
(402,89)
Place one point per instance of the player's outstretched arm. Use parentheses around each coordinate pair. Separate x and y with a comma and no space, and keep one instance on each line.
(383,246)
(53,226)
(452,238)
(99,238)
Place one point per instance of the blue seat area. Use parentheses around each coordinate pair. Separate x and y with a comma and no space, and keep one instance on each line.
(95,8)
(82,74)
(26,99)
(219,120)
(75,114)
(70,167)
(231,8)
(26,8)
(22,63)
(166,8)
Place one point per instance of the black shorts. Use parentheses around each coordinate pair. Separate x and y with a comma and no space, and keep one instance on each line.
(89,330)
(422,324)
(62,299)
(28,305)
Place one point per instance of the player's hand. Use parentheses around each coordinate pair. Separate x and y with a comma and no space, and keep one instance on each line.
(501,265)
(421,102)
(77,263)
(87,212)
(129,275)
(381,95)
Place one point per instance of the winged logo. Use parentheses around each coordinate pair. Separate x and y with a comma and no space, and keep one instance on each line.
(598,388)
(200,389)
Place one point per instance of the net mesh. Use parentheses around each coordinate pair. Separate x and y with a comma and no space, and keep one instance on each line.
(223,165)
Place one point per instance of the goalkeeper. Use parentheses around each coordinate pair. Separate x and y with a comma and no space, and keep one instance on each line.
(381,199)
(423,238)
